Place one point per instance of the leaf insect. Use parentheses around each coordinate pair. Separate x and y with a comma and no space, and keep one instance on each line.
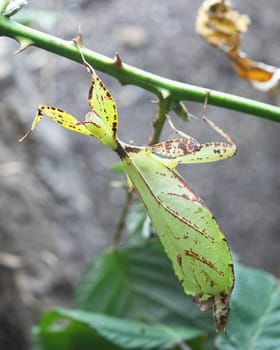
(189,233)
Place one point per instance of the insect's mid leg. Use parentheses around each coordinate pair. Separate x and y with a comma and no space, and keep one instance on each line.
(212,124)
(179,132)
(219,130)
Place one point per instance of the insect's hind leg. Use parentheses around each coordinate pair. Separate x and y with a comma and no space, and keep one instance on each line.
(212,124)
(179,132)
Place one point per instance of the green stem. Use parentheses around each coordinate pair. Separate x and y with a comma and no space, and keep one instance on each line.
(121,222)
(163,109)
(130,75)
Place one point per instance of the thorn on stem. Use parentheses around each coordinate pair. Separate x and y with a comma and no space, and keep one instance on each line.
(117,61)
(23,45)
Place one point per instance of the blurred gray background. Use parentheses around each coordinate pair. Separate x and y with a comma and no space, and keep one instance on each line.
(57,208)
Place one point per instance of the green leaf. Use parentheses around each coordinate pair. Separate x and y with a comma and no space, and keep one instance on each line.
(3,5)
(138,282)
(254,322)
(12,7)
(57,331)
(117,168)
(44,18)
(180,109)
(138,223)
(75,329)
(35,339)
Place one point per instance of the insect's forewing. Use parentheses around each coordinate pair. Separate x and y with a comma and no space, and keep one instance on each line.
(190,235)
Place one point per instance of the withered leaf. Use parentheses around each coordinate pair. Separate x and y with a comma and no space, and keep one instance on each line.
(222,26)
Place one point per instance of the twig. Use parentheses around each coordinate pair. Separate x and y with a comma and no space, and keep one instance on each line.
(121,222)
(130,75)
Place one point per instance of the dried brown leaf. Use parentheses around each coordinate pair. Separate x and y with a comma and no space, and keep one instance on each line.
(221,26)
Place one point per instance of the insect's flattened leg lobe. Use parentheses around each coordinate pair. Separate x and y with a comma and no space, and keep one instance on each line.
(189,150)
(176,148)
(209,152)
(63,118)
(59,116)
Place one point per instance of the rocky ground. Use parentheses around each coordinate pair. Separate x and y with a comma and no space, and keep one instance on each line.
(57,208)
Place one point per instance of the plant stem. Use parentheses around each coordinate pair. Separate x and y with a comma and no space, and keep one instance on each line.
(163,109)
(121,222)
(130,75)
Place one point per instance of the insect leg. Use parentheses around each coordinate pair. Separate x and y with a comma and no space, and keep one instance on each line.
(59,116)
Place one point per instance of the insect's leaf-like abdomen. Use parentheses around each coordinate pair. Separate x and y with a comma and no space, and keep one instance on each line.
(189,233)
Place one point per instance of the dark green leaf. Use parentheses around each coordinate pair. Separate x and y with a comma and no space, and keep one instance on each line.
(180,109)
(117,168)
(138,223)
(138,282)
(75,329)
(3,5)
(254,322)
(45,19)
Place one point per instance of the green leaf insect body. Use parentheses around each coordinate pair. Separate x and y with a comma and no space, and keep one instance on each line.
(189,233)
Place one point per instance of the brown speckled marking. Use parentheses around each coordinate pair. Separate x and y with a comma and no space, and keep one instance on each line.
(186,221)
(160,174)
(175,213)
(184,195)
(185,185)
(179,260)
(176,148)
(221,310)
(85,123)
(204,261)
(114,127)
(90,91)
